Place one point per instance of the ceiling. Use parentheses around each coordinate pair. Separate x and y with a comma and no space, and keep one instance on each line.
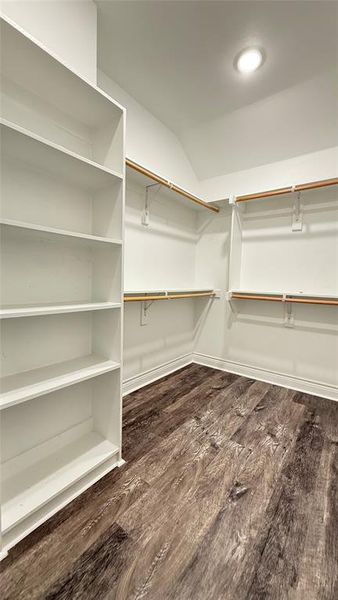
(176,57)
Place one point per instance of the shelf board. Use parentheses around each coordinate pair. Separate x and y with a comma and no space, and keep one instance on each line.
(288,293)
(269,194)
(47,232)
(37,476)
(166,291)
(45,155)
(31,384)
(166,295)
(296,297)
(60,83)
(24,310)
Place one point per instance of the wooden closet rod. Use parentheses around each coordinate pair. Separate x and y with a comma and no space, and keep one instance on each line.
(323,301)
(154,297)
(169,185)
(287,190)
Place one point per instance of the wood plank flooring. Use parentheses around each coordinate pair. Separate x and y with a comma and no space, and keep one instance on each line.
(230,492)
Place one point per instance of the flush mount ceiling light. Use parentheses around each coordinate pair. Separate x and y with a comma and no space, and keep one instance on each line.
(249,60)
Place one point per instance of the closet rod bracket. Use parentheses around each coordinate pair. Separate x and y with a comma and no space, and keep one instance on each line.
(297,216)
(146,214)
(229,299)
(289,315)
(144,312)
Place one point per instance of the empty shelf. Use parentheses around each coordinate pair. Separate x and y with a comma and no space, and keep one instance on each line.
(30,384)
(53,158)
(37,476)
(173,294)
(48,232)
(166,291)
(14,311)
(297,298)
(313,185)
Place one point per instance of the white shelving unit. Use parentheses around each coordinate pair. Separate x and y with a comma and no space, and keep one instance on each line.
(52,309)
(62,213)
(51,231)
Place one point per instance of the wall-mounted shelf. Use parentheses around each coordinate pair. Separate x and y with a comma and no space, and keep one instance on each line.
(154,295)
(302,187)
(49,232)
(34,149)
(26,385)
(284,297)
(144,177)
(62,233)
(36,477)
(10,312)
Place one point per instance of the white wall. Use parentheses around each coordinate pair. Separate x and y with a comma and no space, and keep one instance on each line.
(67,29)
(149,142)
(300,169)
(297,120)
(158,256)
(253,340)
(162,254)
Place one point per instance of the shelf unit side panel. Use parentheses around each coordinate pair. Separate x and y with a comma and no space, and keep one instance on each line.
(106,407)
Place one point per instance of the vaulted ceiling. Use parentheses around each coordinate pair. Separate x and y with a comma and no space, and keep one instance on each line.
(177,59)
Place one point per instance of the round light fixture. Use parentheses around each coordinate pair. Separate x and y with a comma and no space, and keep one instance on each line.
(249,60)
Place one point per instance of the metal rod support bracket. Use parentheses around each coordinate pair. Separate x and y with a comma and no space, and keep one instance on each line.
(289,316)
(144,312)
(146,214)
(297,215)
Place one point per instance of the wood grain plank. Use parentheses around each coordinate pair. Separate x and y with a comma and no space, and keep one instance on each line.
(318,568)
(143,430)
(177,520)
(289,514)
(229,410)
(163,391)
(66,539)
(221,565)
(208,403)
(93,574)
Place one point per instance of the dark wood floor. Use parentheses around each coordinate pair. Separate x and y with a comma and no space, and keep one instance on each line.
(229,493)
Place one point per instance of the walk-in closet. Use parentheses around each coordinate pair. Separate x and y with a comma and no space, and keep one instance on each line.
(169,300)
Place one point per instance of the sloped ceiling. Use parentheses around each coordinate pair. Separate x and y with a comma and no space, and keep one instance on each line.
(176,58)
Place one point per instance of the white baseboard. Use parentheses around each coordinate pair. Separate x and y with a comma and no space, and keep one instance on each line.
(315,388)
(139,381)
